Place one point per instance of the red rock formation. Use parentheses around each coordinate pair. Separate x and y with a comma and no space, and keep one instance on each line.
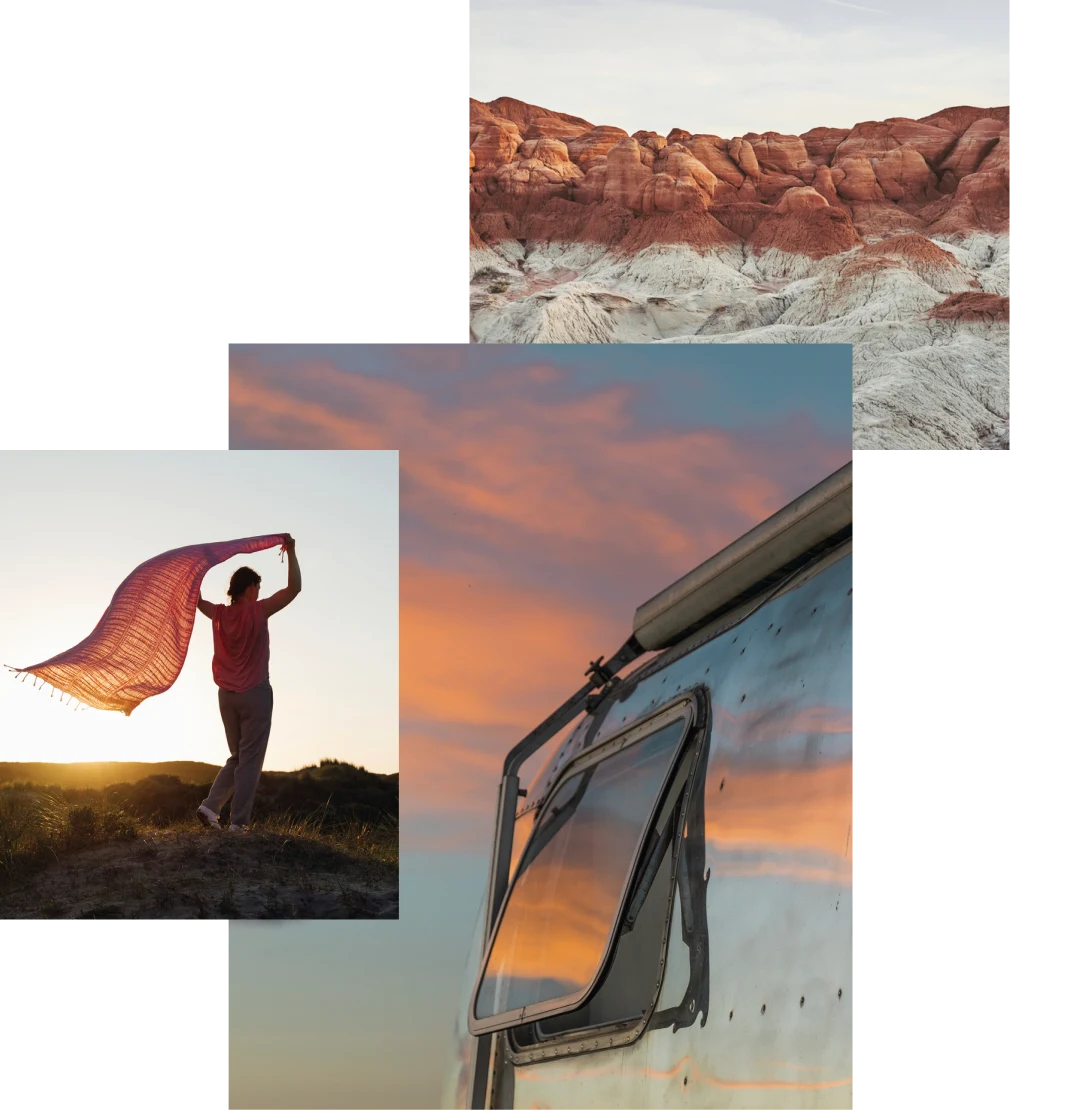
(937,267)
(815,230)
(538,173)
(958,120)
(644,137)
(605,223)
(587,147)
(711,151)
(783,154)
(547,127)
(971,149)
(517,111)
(694,181)
(542,164)
(800,199)
(742,217)
(875,139)
(821,143)
(475,241)
(625,175)
(997,161)
(912,248)
(495,144)
(742,153)
(875,219)
(855,180)
(725,193)
(664,193)
(856,270)
(695,229)
(495,225)
(773,186)
(823,183)
(905,176)
(986,308)
(981,202)
(479,116)
(650,144)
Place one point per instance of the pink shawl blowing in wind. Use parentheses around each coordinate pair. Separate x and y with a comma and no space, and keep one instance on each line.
(138,647)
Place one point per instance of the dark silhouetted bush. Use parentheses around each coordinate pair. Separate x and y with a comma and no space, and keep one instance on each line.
(82,823)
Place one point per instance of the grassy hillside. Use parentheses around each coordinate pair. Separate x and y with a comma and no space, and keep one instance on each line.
(325,839)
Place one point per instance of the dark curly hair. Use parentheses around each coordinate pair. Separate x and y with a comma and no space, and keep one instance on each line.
(242,578)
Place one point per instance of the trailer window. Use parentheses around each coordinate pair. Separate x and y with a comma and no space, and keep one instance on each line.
(556,928)
(630,979)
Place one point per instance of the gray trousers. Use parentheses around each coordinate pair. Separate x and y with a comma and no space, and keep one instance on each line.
(246,718)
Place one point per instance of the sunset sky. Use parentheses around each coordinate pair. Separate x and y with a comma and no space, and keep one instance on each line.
(77,522)
(545,492)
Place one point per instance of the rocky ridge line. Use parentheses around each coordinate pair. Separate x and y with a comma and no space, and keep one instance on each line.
(538,174)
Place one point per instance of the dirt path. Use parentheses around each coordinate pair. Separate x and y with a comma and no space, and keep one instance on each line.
(206,874)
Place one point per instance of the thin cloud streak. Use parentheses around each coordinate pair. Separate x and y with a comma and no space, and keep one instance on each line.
(856,7)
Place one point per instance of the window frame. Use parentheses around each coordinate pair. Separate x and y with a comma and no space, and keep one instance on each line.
(686,706)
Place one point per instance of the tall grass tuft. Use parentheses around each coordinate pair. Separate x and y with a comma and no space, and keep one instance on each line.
(37,825)
(374,841)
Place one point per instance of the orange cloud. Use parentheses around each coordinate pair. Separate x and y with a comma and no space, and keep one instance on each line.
(475,649)
(482,661)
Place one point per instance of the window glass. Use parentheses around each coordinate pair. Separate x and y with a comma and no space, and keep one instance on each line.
(554,931)
(523,825)
(677,971)
(629,983)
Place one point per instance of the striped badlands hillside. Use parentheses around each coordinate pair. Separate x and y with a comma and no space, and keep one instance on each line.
(133,244)
(890,236)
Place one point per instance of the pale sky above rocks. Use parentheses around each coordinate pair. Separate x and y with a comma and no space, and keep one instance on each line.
(726,68)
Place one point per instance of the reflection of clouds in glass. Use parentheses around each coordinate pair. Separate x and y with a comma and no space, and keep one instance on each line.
(562,906)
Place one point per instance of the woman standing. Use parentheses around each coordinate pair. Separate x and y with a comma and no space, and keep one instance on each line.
(245,698)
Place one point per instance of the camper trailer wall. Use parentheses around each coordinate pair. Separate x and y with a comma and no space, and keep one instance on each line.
(773,1027)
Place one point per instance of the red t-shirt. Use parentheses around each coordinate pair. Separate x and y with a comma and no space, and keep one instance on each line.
(241,647)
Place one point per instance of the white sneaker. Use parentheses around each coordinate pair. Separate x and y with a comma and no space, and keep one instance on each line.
(208,817)
(237,829)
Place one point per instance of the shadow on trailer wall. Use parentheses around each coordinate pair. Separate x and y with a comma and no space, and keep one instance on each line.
(668,920)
